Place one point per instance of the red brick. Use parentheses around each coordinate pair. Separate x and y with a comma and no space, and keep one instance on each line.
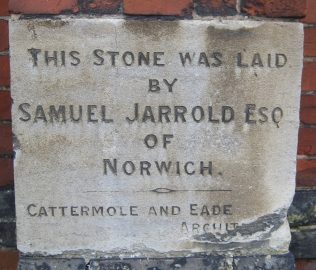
(307,141)
(310,42)
(158,7)
(308,110)
(310,12)
(305,264)
(306,173)
(4,35)
(4,10)
(5,105)
(215,7)
(5,139)
(275,8)
(9,259)
(4,71)
(102,6)
(309,76)
(6,175)
(43,7)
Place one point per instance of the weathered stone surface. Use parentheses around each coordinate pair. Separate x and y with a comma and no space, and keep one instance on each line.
(241,93)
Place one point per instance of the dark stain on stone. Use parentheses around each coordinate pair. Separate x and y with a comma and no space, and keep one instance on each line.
(31,26)
(153,29)
(228,34)
(217,37)
(47,23)
(265,224)
(52,23)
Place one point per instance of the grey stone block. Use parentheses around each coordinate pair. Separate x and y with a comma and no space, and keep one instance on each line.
(49,263)
(7,235)
(277,262)
(302,210)
(239,99)
(7,208)
(280,262)
(303,244)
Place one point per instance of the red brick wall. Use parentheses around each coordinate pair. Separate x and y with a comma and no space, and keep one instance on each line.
(6,162)
(306,164)
(295,10)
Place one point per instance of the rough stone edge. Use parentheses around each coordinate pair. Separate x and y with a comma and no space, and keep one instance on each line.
(263,262)
(303,238)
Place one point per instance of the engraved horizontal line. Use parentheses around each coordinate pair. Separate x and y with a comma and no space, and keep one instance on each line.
(167,190)
(159,190)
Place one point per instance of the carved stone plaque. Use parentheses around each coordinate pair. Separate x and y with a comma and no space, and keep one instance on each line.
(154,138)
